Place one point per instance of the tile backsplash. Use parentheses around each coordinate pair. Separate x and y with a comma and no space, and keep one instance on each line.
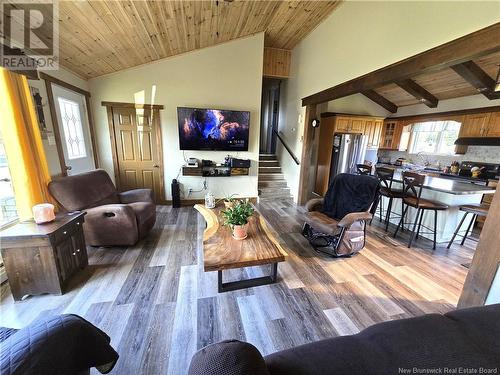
(485,154)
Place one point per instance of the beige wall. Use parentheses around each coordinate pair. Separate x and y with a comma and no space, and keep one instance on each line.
(360,37)
(49,143)
(227,76)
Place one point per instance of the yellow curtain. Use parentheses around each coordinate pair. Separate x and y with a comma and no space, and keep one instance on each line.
(23,143)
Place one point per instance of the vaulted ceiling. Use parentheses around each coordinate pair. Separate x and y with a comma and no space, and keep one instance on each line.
(99,37)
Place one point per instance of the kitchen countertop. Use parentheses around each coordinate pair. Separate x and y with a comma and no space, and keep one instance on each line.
(449,186)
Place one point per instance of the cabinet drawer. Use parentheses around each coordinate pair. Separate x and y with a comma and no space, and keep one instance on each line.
(67,231)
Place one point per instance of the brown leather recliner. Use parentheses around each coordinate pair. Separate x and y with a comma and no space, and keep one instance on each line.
(336,224)
(113,218)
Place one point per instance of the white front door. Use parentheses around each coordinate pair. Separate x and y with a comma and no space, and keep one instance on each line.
(74,130)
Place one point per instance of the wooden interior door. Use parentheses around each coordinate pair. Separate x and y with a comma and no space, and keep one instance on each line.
(136,136)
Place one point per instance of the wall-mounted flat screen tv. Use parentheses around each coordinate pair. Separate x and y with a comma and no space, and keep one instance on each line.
(213,129)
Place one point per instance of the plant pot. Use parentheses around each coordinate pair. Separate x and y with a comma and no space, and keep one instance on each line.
(240,232)
(228,204)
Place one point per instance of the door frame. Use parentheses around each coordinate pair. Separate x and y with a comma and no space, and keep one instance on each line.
(155,108)
(49,80)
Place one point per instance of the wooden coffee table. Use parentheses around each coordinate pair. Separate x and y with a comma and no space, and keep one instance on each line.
(221,251)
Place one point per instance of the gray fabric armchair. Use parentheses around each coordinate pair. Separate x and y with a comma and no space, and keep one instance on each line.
(113,218)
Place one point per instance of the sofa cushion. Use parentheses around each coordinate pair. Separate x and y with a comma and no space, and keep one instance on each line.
(145,213)
(427,342)
(85,190)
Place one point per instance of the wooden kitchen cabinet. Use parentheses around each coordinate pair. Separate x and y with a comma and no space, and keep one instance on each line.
(341,124)
(373,130)
(346,123)
(357,125)
(474,125)
(391,135)
(493,128)
(41,258)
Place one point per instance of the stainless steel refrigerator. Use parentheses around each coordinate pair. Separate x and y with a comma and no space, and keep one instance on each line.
(348,150)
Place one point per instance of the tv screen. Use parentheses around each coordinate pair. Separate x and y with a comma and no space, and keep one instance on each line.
(213,129)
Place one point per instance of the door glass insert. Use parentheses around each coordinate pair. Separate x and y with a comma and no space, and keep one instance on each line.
(73,128)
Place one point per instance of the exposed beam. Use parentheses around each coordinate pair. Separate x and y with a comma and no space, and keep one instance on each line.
(479,43)
(417,91)
(478,78)
(380,100)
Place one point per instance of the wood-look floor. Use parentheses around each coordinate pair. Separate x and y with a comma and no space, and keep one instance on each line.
(159,307)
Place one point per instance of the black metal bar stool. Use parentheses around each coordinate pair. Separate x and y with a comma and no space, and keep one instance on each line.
(413,184)
(474,209)
(386,176)
(364,169)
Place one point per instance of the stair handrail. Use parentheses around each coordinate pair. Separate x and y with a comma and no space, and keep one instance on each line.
(295,159)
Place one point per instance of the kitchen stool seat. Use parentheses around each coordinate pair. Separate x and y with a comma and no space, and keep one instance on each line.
(413,184)
(385,176)
(479,209)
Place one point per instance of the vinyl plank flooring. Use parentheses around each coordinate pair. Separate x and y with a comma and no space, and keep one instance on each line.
(159,306)
(254,324)
(184,336)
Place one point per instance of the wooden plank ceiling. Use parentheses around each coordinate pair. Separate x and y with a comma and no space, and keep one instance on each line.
(99,37)
(461,67)
(444,84)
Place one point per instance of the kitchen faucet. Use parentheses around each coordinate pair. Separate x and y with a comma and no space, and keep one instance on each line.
(426,161)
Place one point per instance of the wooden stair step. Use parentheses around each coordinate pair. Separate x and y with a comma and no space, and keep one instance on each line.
(267,157)
(269,170)
(271,176)
(269,163)
(272,183)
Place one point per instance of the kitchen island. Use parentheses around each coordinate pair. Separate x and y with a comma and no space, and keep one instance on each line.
(451,192)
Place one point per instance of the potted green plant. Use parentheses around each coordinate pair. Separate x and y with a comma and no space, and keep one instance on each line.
(236,217)
(230,200)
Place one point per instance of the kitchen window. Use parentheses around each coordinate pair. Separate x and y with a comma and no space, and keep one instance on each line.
(434,137)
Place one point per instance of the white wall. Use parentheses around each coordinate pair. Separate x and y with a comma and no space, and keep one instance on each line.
(226,76)
(359,37)
(49,143)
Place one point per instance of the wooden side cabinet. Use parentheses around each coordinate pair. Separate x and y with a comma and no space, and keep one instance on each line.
(41,258)
(391,135)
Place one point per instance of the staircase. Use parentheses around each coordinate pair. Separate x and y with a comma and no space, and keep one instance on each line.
(271,183)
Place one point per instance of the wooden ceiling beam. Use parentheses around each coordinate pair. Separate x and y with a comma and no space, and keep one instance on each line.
(478,78)
(380,100)
(417,91)
(480,43)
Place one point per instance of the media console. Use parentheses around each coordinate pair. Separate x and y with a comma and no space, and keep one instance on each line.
(211,169)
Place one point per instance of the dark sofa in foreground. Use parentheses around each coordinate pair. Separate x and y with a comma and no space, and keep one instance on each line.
(460,340)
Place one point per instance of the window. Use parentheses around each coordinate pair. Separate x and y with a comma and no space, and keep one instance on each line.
(73,129)
(8,212)
(434,137)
